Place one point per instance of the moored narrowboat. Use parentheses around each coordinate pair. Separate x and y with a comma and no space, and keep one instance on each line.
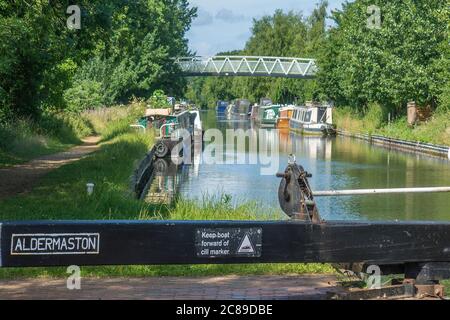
(172,128)
(242,107)
(268,115)
(254,113)
(313,119)
(285,115)
(230,109)
(263,102)
(221,107)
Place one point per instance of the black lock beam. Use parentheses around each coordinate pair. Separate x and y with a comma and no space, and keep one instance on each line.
(63,243)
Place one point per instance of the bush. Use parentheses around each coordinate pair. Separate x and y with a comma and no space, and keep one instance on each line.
(444,99)
(159,100)
(66,127)
(84,94)
(374,116)
(5,112)
(109,122)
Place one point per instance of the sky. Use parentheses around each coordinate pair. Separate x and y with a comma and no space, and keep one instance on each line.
(224,25)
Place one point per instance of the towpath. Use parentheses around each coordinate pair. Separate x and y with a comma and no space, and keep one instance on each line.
(22,178)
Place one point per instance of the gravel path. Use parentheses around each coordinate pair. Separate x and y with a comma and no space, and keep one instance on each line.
(23,177)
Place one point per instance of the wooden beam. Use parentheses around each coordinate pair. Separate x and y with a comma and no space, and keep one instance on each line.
(63,243)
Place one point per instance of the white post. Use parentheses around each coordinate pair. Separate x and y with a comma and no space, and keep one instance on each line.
(90,188)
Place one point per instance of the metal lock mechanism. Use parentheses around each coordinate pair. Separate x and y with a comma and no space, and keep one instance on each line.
(295,195)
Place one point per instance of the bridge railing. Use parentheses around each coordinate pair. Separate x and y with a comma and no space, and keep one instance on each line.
(248,66)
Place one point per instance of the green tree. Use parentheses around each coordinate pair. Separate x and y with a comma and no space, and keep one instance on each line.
(38,53)
(281,34)
(125,46)
(83,95)
(159,100)
(391,64)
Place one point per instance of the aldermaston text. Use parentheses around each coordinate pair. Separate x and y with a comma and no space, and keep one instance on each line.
(75,243)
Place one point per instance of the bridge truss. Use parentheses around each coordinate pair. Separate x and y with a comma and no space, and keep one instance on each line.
(247,66)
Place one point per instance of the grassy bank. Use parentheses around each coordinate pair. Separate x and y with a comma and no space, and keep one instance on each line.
(62,195)
(374,121)
(26,139)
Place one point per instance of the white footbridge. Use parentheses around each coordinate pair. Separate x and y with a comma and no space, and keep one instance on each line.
(248,66)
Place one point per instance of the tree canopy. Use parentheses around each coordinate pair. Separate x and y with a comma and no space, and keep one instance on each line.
(123,49)
(405,58)
(281,34)
(402,60)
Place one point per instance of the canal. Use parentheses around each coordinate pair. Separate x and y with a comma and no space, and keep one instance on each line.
(335,163)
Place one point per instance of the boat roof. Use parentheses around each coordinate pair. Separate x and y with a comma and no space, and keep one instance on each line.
(313,106)
(290,107)
(157,112)
(179,113)
(272,106)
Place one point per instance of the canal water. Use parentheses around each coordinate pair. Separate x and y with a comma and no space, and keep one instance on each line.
(335,163)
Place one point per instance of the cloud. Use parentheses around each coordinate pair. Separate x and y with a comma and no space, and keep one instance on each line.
(225,25)
(229,16)
(204,18)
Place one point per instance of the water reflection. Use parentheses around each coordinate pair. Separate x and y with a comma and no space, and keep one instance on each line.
(165,181)
(335,163)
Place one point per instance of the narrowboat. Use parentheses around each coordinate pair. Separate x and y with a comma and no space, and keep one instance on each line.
(230,109)
(242,107)
(268,115)
(151,116)
(256,108)
(171,129)
(285,115)
(313,119)
(254,113)
(221,107)
(265,102)
(172,124)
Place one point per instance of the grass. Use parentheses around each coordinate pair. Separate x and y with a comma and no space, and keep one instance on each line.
(374,121)
(62,195)
(220,207)
(446,284)
(172,270)
(26,139)
(436,130)
(112,122)
(23,149)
